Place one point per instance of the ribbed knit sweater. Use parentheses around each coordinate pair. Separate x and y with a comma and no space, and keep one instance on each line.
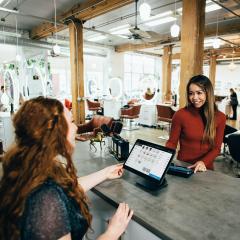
(188,128)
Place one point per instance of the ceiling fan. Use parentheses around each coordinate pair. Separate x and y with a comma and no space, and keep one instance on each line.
(145,36)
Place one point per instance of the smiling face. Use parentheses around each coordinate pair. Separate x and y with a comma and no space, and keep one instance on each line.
(72,128)
(196,95)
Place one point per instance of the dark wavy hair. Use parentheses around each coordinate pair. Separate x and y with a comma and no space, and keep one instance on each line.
(41,137)
(209,108)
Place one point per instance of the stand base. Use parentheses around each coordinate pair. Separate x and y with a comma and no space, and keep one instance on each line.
(148,185)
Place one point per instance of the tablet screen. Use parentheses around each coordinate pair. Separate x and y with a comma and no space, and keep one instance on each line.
(149,159)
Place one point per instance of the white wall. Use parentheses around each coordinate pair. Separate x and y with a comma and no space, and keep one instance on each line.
(227,79)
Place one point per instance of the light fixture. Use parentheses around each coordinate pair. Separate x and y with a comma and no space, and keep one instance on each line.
(125,26)
(216,42)
(56,49)
(145,11)
(175,29)
(96,38)
(232,66)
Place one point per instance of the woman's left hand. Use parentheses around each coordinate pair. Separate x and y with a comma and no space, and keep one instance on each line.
(114,171)
(199,166)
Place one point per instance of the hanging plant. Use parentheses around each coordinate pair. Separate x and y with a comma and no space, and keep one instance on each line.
(42,63)
(11,66)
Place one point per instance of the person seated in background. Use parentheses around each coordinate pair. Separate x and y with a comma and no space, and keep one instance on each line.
(233,103)
(148,94)
(199,127)
(41,196)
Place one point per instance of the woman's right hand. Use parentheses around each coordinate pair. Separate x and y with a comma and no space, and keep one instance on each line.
(119,222)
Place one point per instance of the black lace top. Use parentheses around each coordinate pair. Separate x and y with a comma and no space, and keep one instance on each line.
(50,214)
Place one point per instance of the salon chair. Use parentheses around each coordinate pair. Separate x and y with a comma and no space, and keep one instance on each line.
(92,130)
(228,130)
(93,106)
(164,117)
(130,114)
(233,146)
(68,104)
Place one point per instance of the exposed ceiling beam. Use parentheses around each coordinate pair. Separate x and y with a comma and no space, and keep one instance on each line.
(220,53)
(149,53)
(226,28)
(82,11)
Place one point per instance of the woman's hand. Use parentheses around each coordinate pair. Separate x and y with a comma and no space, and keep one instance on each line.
(114,171)
(199,166)
(119,222)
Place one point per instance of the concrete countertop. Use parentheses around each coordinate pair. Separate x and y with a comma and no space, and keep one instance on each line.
(205,206)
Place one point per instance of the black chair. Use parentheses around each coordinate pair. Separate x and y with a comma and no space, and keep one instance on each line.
(228,130)
(233,145)
(115,129)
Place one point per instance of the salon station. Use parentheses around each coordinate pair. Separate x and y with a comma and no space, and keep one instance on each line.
(121,67)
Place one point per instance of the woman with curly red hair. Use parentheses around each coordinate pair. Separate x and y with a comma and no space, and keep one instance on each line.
(41,197)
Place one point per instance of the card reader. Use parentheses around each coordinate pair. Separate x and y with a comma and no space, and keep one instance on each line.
(179,171)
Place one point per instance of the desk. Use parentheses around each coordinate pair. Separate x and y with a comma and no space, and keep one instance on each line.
(205,206)
(148,115)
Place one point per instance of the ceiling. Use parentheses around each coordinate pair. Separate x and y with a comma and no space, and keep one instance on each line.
(31,13)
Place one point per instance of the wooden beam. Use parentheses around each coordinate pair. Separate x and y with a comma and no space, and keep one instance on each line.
(149,54)
(77,75)
(192,36)
(166,73)
(127,47)
(83,11)
(212,69)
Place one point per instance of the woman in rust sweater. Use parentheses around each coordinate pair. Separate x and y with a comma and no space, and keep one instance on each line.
(199,127)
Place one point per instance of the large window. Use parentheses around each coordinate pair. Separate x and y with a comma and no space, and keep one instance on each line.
(136,67)
(94,75)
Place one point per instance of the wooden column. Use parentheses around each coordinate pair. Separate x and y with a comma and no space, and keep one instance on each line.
(212,69)
(77,75)
(166,73)
(192,37)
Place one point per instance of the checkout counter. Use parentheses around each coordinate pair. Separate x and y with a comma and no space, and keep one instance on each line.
(204,206)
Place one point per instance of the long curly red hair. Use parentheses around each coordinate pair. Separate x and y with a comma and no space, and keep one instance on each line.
(41,137)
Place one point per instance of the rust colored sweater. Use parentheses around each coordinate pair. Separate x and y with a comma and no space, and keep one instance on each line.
(188,129)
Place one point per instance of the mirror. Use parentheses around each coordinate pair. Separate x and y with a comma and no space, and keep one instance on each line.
(148,87)
(35,85)
(92,87)
(10,91)
(115,87)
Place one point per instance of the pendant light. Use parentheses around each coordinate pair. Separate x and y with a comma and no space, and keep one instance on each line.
(18,57)
(232,66)
(216,40)
(145,11)
(56,48)
(175,29)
